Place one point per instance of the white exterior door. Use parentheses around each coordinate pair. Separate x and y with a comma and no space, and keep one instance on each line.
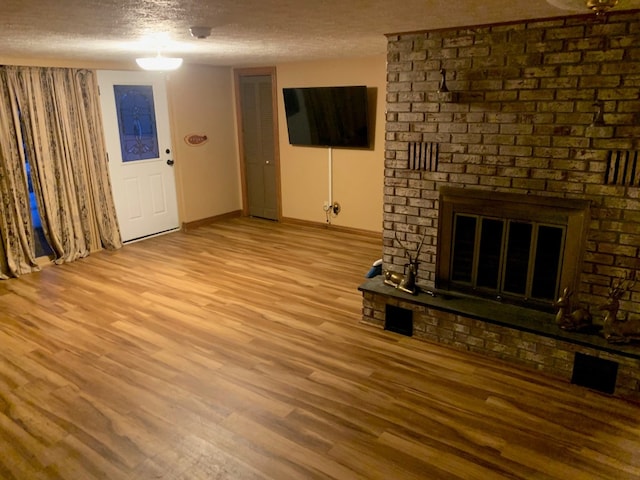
(136,127)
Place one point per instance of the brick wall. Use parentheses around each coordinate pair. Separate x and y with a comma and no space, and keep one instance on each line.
(521,122)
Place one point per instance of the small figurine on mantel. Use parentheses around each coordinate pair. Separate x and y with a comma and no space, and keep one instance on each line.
(577,321)
(405,281)
(615,330)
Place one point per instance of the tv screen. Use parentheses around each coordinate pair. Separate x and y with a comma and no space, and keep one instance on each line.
(327,116)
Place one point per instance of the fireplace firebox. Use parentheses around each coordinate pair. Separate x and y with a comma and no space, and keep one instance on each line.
(510,247)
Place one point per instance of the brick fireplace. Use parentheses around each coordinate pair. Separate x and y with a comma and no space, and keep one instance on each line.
(545,109)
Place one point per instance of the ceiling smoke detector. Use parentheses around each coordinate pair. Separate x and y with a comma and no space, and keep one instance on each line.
(200,32)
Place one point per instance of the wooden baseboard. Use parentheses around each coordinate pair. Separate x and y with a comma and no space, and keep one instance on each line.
(338,228)
(209,220)
(293,221)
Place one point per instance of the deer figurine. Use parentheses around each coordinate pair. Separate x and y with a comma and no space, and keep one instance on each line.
(578,320)
(615,330)
(405,281)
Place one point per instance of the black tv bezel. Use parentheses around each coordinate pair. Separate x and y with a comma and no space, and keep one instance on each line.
(364,95)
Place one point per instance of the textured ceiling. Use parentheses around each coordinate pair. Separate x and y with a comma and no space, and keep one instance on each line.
(245,32)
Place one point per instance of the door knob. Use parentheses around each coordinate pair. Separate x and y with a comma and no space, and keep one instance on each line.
(170,162)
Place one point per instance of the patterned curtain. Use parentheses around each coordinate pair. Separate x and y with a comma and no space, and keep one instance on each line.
(17,247)
(62,131)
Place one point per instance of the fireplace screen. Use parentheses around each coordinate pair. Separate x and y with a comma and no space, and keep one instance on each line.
(510,246)
(505,257)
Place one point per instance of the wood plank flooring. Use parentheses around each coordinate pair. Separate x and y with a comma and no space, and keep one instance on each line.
(234,351)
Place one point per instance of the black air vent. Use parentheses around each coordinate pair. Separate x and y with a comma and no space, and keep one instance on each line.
(423,156)
(595,373)
(398,320)
(623,168)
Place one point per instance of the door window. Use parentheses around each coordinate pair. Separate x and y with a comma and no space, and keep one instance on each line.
(136,122)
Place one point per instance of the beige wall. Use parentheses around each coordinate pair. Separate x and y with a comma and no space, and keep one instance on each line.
(201,101)
(358,175)
(207,176)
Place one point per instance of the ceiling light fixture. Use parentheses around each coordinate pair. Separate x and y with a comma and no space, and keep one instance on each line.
(600,7)
(159,63)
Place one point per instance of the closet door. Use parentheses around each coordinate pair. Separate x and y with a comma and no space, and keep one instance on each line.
(258,142)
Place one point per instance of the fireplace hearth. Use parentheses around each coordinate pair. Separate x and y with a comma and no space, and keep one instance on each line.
(512,333)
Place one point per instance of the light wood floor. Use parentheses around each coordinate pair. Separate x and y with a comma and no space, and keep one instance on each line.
(235,352)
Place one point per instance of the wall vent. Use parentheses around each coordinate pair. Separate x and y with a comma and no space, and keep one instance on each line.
(423,156)
(595,373)
(623,168)
(398,320)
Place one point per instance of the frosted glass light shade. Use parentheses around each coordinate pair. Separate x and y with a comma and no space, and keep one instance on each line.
(159,63)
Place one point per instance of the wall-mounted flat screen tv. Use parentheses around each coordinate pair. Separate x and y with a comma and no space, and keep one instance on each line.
(328,116)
